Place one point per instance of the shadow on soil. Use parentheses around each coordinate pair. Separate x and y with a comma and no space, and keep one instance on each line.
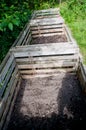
(71,110)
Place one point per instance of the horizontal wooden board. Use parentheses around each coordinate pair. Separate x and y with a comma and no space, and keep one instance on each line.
(47,31)
(46,27)
(41,75)
(47,52)
(48,65)
(46,16)
(46,59)
(47,21)
(45,71)
(48,34)
(47,10)
(43,46)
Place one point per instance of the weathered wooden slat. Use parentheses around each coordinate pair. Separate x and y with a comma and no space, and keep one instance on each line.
(49,58)
(12,105)
(20,35)
(43,46)
(47,10)
(25,38)
(48,65)
(23,35)
(6,67)
(46,61)
(29,38)
(69,34)
(47,21)
(3,101)
(46,27)
(47,52)
(81,72)
(4,61)
(46,16)
(8,104)
(45,71)
(47,31)
(41,75)
(48,34)
(9,74)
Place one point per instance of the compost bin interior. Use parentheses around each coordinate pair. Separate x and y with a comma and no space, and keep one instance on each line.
(49,103)
(49,39)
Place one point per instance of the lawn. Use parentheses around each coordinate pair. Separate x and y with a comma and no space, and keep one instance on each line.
(76,20)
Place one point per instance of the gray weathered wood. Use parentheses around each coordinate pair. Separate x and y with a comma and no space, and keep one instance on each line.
(12,105)
(48,65)
(6,67)
(4,99)
(5,82)
(47,21)
(8,104)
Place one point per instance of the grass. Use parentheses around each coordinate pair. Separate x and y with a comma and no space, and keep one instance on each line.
(77,24)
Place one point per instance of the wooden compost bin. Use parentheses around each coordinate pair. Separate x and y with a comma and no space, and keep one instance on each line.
(25,61)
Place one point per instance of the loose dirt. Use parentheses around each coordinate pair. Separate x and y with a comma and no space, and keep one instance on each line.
(49,39)
(50,103)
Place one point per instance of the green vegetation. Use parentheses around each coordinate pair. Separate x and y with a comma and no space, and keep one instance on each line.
(14,15)
(74,12)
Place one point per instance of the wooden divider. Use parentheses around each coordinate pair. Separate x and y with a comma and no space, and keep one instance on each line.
(8,81)
(81,72)
(45,59)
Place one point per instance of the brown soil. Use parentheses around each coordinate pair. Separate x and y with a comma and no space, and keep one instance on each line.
(51,103)
(49,39)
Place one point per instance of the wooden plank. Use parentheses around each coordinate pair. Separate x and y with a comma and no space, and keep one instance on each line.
(41,46)
(70,36)
(49,58)
(48,65)
(46,35)
(23,36)
(26,36)
(12,105)
(6,67)
(46,16)
(47,21)
(40,76)
(8,104)
(5,82)
(46,27)
(47,10)
(20,35)
(81,72)
(46,61)
(4,99)
(47,52)
(47,31)
(44,71)
(28,40)
(4,61)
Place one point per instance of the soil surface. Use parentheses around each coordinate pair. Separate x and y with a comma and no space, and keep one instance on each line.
(51,103)
(49,39)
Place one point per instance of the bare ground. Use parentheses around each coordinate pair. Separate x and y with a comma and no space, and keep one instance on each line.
(49,39)
(51,103)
